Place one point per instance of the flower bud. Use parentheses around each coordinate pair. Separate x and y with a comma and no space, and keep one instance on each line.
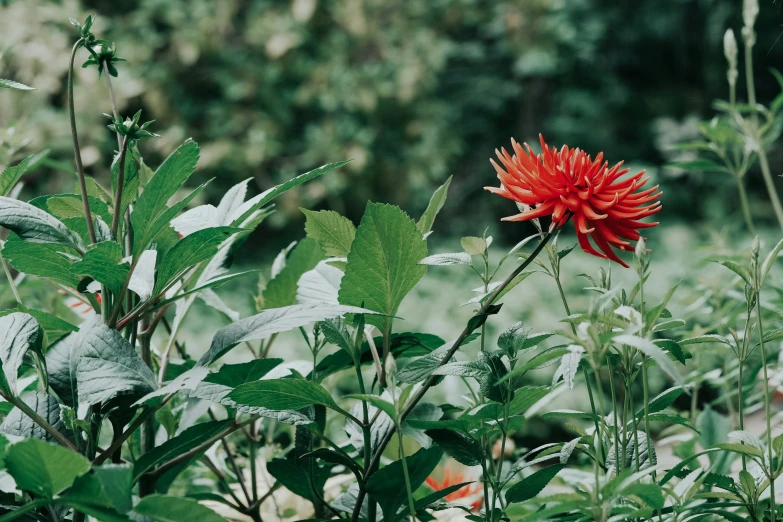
(390,368)
(730,47)
(755,246)
(750,10)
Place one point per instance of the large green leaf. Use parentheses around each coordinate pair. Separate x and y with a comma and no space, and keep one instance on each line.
(387,485)
(108,486)
(167,180)
(11,175)
(383,265)
(190,251)
(34,225)
(282,394)
(161,508)
(109,366)
(216,386)
(54,327)
(20,332)
(20,424)
(436,203)
(182,443)
(268,322)
(62,362)
(39,260)
(281,291)
(461,447)
(42,468)
(333,232)
(532,485)
(103,263)
(298,477)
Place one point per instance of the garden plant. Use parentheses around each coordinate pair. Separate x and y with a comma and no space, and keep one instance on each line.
(115,418)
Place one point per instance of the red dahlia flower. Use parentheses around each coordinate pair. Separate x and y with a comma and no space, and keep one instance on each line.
(569,183)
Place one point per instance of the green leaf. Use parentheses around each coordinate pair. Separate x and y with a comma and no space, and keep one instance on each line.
(268,322)
(20,333)
(109,366)
(766,266)
(421,369)
(526,397)
(216,386)
(299,477)
(34,225)
(387,485)
(131,182)
(650,494)
(39,260)
(54,327)
(10,84)
(461,447)
(336,333)
(282,394)
(739,270)
(11,175)
(383,265)
(70,206)
(456,258)
(532,485)
(103,263)
(436,203)
(281,290)
(19,424)
(709,338)
(742,449)
(265,197)
(474,246)
(378,402)
(333,233)
(42,468)
(182,443)
(654,352)
(168,179)
(663,400)
(188,252)
(161,508)
(108,486)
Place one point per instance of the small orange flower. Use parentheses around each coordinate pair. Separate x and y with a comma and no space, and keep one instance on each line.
(569,183)
(470,492)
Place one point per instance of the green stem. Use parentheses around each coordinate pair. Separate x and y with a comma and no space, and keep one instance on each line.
(20,512)
(115,221)
(617,468)
(745,206)
(147,483)
(646,391)
(767,407)
(10,278)
(76,150)
(409,491)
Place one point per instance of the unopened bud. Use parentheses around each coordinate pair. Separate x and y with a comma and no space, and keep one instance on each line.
(390,367)
(640,248)
(730,47)
(750,10)
(755,247)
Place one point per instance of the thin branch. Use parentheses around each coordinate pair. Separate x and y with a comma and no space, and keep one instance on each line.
(115,221)
(51,430)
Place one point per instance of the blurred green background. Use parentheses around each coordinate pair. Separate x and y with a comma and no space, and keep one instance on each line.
(414,91)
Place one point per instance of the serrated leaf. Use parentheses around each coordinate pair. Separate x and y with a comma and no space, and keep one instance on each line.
(39,260)
(19,424)
(216,386)
(20,334)
(42,468)
(333,233)
(103,263)
(319,285)
(383,265)
(282,394)
(456,258)
(11,84)
(268,322)
(474,246)
(109,366)
(107,486)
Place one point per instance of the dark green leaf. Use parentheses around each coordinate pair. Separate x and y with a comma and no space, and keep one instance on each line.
(333,232)
(532,485)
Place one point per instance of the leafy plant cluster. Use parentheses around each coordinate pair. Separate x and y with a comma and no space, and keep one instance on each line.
(110,418)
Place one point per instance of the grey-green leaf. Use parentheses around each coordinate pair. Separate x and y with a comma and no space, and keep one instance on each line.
(20,332)
(109,366)
(19,424)
(34,225)
(268,322)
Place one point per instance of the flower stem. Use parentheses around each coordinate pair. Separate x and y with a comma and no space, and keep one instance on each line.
(409,491)
(745,206)
(767,408)
(115,221)
(76,150)
(10,278)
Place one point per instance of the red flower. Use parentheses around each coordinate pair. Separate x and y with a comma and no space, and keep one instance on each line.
(569,183)
(470,492)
